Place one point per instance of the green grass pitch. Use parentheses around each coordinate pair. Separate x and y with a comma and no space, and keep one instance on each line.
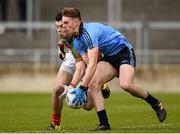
(31,112)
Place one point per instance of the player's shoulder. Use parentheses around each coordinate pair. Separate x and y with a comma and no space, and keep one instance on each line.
(92,28)
(92,25)
(96,26)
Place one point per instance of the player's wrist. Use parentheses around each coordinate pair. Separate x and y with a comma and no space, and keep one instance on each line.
(83,88)
(73,85)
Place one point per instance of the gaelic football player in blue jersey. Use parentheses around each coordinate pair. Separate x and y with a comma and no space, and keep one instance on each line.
(118,61)
(70,73)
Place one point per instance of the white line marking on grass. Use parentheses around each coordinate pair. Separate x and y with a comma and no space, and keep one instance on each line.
(149,125)
(131,107)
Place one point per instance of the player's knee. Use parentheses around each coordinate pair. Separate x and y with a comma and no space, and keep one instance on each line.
(58,90)
(88,108)
(95,85)
(126,86)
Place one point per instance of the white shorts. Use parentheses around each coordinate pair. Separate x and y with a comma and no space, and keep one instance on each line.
(69,63)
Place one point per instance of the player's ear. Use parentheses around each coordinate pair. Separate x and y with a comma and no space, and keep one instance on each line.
(76,21)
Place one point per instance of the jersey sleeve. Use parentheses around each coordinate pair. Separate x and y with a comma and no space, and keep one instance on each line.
(93,37)
(78,47)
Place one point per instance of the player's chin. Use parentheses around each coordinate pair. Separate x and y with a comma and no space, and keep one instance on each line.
(62,35)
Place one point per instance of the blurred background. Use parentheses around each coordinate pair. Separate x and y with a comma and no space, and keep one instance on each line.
(28,40)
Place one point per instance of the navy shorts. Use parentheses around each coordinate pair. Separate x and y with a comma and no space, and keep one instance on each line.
(125,56)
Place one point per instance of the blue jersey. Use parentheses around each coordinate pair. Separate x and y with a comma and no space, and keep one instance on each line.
(108,40)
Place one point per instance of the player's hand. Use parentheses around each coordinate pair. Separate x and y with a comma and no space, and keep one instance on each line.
(63,95)
(81,95)
(61,51)
(66,88)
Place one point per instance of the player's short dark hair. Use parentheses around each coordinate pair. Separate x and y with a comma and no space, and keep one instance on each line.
(71,12)
(58,17)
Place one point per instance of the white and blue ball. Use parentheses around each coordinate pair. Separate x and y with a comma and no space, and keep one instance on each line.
(70,98)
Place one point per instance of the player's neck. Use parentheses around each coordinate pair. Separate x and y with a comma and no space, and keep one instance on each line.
(77,29)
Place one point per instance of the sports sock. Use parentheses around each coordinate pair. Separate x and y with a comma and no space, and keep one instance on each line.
(56,119)
(103,119)
(151,100)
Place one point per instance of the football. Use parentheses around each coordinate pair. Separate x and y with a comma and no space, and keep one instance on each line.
(70,98)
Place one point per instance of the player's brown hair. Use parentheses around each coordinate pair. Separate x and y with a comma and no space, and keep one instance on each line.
(71,12)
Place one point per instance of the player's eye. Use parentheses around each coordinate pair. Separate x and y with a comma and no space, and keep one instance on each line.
(65,22)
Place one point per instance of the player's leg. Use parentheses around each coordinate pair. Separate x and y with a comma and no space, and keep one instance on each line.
(104,73)
(89,105)
(63,78)
(105,90)
(126,73)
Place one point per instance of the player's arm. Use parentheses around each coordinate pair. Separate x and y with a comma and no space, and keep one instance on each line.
(81,91)
(80,70)
(78,74)
(91,67)
(77,56)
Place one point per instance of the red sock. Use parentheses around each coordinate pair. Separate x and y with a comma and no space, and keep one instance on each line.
(56,119)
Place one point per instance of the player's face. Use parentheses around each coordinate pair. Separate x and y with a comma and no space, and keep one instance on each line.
(60,29)
(69,24)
